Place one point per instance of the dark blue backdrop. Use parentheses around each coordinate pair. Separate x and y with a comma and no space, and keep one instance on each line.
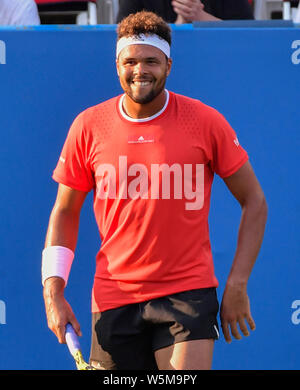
(50,74)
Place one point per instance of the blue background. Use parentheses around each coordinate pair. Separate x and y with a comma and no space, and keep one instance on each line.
(52,74)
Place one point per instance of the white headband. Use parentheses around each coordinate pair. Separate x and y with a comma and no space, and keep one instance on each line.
(142,39)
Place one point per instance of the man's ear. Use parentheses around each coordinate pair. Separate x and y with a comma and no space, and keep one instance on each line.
(169,66)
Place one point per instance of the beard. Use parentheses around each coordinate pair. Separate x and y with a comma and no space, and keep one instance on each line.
(148,97)
(151,95)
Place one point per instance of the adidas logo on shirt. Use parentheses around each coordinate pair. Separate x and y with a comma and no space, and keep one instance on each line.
(140,140)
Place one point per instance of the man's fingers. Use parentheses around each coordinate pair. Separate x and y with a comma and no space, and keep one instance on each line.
(234,330)
(186,3)
(251,322)
(179,8)
(61,330)
(187,6)
(243,327)
(231,328)
(76,326)
(60,333)
(226,332)
(183,8)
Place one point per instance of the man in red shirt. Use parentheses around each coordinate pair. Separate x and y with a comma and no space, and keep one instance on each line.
(150,156)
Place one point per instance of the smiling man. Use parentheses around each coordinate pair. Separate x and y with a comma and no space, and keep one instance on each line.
(150,156)
(143,87)
(143,65)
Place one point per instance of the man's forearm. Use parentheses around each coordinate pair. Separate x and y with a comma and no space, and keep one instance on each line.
(63,229)
(53,287)
(250,237)
(59,249)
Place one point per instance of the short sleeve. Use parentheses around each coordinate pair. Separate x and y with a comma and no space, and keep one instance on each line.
(227,153)
(73,168)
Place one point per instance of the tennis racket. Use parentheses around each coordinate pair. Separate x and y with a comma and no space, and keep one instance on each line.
(74,348)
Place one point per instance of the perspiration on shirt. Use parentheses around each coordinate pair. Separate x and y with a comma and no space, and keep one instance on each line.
(152,182)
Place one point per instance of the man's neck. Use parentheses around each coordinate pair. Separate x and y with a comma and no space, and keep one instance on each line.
(139,111)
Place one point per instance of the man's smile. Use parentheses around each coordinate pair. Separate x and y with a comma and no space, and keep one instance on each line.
(141,82)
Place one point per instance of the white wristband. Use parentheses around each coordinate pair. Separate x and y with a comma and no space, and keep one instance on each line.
(57,261)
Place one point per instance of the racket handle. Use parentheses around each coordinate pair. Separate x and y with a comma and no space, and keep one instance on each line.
(72,339)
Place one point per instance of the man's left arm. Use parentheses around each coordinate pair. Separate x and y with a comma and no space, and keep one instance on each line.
(235,306)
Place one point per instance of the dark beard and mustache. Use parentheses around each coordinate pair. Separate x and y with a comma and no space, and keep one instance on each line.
(155,91)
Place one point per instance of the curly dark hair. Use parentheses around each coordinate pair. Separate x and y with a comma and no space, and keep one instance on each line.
(144,22)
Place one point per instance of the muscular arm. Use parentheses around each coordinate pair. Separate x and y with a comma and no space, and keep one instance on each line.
(64,219)
(62,230)
(235,307)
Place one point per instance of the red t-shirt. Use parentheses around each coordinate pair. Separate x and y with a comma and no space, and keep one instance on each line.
(152,183)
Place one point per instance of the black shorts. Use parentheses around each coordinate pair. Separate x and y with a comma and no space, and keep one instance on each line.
(126,337)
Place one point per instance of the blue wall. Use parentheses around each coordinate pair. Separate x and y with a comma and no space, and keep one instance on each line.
(48,75)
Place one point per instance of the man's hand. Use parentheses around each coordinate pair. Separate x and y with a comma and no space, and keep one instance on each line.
(188,10)
(235,310)
(58,310)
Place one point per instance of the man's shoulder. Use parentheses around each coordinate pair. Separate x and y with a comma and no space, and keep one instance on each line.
(194,106)
(106,105)
(105,109)
(96,116)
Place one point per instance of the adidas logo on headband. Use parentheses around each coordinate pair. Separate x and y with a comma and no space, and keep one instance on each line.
(152,40)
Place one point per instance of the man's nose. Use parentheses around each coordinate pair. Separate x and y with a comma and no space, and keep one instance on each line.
(139,68)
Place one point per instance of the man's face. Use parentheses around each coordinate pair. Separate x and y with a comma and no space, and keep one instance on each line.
(143,70)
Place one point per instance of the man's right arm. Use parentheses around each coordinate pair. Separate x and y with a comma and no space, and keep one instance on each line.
(62,231)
